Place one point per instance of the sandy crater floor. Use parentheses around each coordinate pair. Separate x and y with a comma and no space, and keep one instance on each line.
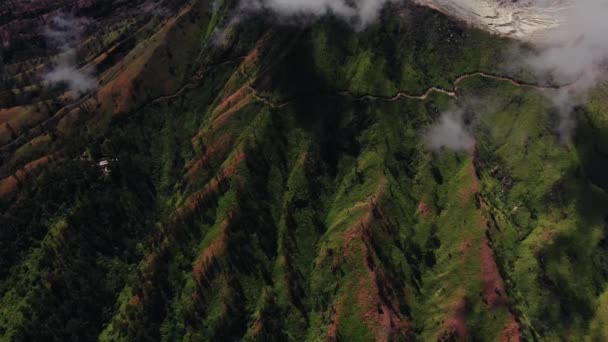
(526,20)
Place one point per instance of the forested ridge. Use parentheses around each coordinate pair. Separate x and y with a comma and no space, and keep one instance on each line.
(272,186)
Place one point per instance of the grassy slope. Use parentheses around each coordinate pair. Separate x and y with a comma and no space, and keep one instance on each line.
(325,218)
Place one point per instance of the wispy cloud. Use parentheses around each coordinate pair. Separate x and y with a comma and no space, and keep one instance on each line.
(65,32)
(76,80)
(450,132)
(574,54)
(358,12)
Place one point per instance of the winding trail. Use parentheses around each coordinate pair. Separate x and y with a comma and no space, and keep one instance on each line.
(195,82)
(199,77)
(451,92)
(187,86)
(424,96)
(51,122)
(256,95)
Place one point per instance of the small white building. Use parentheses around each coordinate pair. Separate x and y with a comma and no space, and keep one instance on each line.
(104,166)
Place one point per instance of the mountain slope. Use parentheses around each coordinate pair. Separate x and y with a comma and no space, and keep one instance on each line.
(280,187)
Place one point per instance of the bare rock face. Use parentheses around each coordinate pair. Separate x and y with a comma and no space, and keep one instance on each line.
(519,19)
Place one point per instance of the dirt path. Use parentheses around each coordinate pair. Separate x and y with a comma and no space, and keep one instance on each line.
(401,94)
(195,82)
(265,100)
(451,92)
(424,96)
(188,86)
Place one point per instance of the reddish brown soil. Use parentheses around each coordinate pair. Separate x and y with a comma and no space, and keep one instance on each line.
(493,287)
(102,57)
(135,300)
(118,93)
(123,88)
(200,270)
(10,184)
(252,59)
(231,100)
(218,147)
(548,235)
(9,114)
(257,327)
(356,230)
(494,294)
(31,166)
(512,331)
(152,260)
(465,247)
(222,118)
(468,194)
(231,168)
(200,197)
(456,324)
(423,210)
(381,315)
(332,329)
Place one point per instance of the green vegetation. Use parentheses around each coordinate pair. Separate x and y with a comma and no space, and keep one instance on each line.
(264,201)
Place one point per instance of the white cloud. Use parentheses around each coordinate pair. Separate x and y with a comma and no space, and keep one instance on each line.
(576,53)
(76,80)
(450,133)
(65,32)
(358,12)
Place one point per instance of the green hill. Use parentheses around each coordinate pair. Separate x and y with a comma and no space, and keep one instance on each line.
(279,186)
